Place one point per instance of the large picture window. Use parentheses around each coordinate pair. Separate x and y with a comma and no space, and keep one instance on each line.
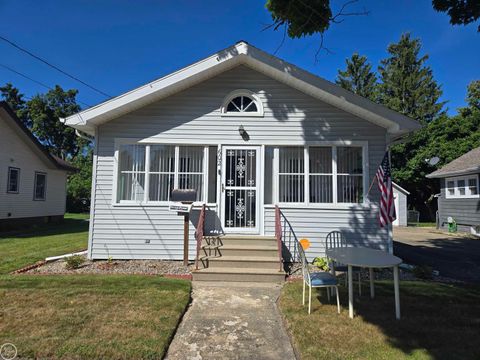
(149,173)
(320,175)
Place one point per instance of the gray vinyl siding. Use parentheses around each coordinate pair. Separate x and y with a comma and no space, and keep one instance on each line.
(16,152)
(193,117)
(466,212)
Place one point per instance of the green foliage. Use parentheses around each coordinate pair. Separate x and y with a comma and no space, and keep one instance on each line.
(321,263)
(358,77)
(12,96)
(44,111)
(301,17)
(74,262)
(461,12)
(79,184)
(407,84)
(423,272)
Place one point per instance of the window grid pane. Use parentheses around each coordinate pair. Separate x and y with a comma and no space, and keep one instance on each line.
(291,174)
(472,185)
(13,180)
(321,176)
(349,174)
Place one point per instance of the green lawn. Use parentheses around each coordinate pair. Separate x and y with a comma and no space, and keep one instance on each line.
(90,316)
(438,322)
(22,248)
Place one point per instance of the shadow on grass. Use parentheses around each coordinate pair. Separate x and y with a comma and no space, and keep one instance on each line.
(66,226)
(439,321)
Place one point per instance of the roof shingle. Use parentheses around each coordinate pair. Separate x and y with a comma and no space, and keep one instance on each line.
(466,164)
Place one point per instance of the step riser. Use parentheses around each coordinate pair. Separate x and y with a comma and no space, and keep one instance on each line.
(212,263)
(254,242)
(271,278)
(250,253)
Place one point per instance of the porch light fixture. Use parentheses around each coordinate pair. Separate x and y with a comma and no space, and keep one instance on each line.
(243,133)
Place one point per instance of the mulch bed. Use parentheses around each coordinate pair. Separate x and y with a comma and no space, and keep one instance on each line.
(167,268)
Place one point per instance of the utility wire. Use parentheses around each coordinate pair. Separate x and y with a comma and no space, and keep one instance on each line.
(35,81)
(53,66)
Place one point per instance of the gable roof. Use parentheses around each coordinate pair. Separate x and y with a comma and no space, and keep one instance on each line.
(468,163)
(250,56)
(28,137)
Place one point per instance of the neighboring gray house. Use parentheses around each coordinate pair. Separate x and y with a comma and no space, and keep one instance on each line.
(400,197)
(459,197)
(248,131)
(32,182)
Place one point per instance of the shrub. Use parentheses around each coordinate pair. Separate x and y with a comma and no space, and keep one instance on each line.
(422,272)
(74,262)
(321,263)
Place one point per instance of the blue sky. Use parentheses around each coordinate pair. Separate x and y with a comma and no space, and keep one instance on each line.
(118,45)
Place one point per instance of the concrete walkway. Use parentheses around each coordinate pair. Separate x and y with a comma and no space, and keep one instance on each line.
(232,321)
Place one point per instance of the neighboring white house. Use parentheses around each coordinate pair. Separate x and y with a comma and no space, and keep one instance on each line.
(248,131)
(400,197)
(32,182)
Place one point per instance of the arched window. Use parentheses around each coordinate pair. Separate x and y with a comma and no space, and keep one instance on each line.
(242,103)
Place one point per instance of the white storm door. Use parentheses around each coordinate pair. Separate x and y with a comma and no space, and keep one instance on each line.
(240,188)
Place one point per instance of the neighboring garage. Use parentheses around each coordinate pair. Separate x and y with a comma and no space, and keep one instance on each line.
(400,198)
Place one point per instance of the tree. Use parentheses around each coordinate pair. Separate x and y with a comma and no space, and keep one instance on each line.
(446,137)
(44,112)
(407,84)
(461,12)
(79,184)
(12,96)
(358,77)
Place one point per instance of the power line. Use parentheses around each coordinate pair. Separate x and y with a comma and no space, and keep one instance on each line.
(53,66)
(35,81)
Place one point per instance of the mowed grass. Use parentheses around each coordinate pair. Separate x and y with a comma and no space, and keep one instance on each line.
(25,247)
(90,317)
(438,322)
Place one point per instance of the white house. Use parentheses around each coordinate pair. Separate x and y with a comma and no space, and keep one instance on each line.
(32,182)
(400,196)
(248,131)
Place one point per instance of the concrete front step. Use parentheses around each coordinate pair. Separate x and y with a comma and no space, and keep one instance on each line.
(247,240)
(249,250)
(239,274)
(244,262)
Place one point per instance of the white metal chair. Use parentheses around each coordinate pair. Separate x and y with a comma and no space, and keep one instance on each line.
(336,239)
(319,279)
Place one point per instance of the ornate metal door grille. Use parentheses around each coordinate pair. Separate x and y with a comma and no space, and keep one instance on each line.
(240,188)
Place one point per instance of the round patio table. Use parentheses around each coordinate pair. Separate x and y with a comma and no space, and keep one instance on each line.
(367,258)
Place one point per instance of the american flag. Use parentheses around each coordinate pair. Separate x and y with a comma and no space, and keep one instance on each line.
(384,180)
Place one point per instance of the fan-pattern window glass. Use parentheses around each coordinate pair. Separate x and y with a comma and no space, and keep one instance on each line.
(291,175)
(162,172)
(241,104)
(190,169)
(321,175)
(131,173)
(349,175)
(40,186)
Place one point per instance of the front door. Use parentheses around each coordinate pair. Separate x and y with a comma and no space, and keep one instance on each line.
(240,188)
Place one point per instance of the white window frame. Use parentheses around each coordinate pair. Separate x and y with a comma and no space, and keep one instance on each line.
(246,93)
(146,201)
(334,203)
(10,168)
(457,195)
(35,198)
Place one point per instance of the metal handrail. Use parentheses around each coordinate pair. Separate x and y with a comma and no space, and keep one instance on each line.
(199,233)
(286,234)
(278,235)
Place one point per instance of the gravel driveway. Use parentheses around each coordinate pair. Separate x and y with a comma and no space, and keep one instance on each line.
(454,255)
